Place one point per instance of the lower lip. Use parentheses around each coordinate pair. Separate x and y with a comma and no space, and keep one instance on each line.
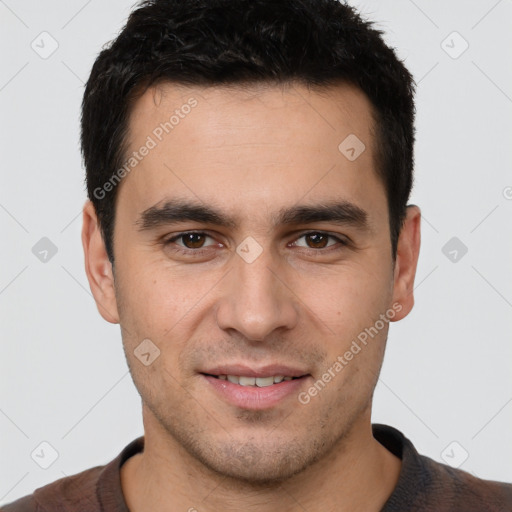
(253,397)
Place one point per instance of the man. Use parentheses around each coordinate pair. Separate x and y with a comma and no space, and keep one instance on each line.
(248,166)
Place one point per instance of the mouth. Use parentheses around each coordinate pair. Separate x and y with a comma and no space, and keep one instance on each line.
(247,388)
(260,382)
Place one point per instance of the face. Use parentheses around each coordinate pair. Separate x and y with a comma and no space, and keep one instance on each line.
(248,245)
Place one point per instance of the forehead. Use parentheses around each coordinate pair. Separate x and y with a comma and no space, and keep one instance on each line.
(317,110)
(253,148)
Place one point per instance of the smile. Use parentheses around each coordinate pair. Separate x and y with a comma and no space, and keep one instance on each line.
(260,382)
(255,392)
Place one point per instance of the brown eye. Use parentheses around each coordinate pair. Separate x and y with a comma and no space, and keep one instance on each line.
(317,240)
(191,243)
(193,240)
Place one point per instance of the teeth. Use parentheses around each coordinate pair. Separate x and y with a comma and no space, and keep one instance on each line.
(247,381)
(260,382)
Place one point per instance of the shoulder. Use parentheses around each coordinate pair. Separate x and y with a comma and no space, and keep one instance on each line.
(426,485)
(72,493)
(93,490)
(459,488)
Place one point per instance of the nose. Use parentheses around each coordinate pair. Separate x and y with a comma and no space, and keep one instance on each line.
(255,299)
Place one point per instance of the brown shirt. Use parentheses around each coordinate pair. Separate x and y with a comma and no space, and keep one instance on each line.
(423,486)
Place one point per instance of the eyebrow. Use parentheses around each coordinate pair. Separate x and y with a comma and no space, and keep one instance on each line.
(174,211)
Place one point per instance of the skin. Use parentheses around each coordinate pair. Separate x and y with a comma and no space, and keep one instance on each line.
(250,153)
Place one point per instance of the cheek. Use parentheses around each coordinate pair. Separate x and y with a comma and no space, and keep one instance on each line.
(350,299)
(166,307)
(154,298)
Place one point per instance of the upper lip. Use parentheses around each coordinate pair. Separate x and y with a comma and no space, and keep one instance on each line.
(271,370)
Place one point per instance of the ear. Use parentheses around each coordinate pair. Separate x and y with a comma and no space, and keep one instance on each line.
(97,266)
(408,250)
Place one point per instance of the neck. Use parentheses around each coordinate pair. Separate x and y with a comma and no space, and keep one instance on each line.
(358,474)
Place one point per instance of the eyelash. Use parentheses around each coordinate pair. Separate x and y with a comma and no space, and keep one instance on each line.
(201,250)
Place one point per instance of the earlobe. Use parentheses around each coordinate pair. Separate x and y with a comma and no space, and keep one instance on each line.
(97,266)
(406,262)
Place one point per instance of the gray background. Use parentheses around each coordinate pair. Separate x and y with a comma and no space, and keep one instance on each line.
(447,372)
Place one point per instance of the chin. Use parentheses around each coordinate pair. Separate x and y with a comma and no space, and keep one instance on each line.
(258,453)
(258,464)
